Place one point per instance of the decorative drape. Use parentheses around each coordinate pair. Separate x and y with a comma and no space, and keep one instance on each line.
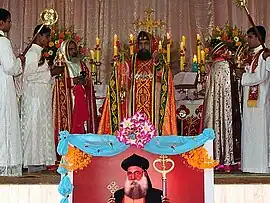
(105,18)
(109,145)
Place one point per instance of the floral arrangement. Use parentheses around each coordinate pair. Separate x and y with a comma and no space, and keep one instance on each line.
(232,36)
(199,159)
(136,130)
(60,35)
(75,159)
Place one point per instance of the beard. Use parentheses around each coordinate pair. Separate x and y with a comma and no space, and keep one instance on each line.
(136,189)
(144,55)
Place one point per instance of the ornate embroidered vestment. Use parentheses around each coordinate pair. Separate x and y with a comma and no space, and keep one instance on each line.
(140,86)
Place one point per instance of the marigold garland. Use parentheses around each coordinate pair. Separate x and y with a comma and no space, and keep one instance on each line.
(75,159)
(198,158)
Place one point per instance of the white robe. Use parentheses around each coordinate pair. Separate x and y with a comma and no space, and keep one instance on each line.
(10,136)
(255,128)
(36,120)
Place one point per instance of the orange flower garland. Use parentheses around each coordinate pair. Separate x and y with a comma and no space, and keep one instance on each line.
(199,159)
(75,159)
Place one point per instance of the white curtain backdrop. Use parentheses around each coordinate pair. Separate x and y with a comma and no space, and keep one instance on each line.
(104,18)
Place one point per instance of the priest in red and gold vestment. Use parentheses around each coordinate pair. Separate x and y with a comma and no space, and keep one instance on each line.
(143,84)
(74,103)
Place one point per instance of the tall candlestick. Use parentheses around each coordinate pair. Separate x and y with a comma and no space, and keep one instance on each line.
(93,66)
(114,40)
(184,41)
(182,57)
(198,37)
(131,39)
(168,36)
(203,61)
(92,54)
(199,48)
(195,65)
(203,56)
(97,42)
(98,55)
(115,50)
(182,46)
(97,50)
(195,59)
(168,48)
(182,64)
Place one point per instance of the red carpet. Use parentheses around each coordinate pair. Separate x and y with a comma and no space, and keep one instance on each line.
(185,185)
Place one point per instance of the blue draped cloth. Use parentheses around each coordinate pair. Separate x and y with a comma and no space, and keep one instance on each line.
(108,145)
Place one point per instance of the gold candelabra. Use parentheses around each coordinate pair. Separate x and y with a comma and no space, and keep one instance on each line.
(95,71)
(95,63)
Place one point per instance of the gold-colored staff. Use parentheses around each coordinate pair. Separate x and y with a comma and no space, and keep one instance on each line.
(164,160)
(243,4)
(48,17)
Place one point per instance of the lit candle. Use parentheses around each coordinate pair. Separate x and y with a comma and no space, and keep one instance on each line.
(198,37)
(182,57)
(93,66)
(131,44)
(203,56)
(195,59)
(114,40)
(203,61)
(92,54)
(182,46)
(97,42)
(115,50)
(131,37)
(159,46)
(184,41)
(168,36)
(168,48)
(199,48)
(97,55)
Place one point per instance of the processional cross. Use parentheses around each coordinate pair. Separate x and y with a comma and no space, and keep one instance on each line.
(149,24)
(165,168)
